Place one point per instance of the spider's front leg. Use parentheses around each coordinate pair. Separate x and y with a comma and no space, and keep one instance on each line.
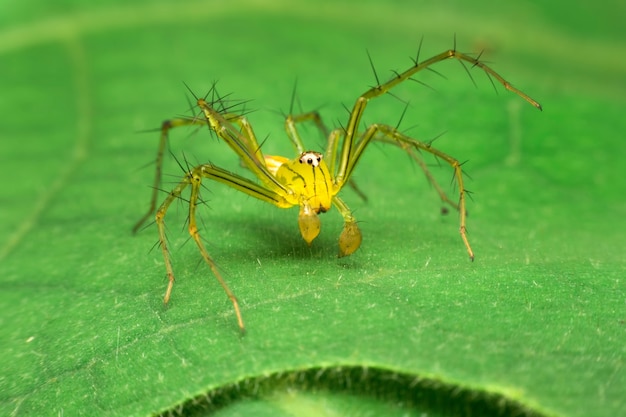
(392,135)
(353,144)
(193,178)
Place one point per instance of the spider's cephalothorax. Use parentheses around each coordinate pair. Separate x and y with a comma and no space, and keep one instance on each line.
(312,180)
(313,189)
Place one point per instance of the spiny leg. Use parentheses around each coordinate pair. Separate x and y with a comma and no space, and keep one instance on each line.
(196,182)
(166,126)
(292,119)
(331,149)
(225,108)
(406,142)
(160,222)
(352,149)
(194,178)
(292,132)
(422,164)
(248,137)
(377,91)
(240,144)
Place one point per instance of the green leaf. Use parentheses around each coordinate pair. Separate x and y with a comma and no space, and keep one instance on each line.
(405,326)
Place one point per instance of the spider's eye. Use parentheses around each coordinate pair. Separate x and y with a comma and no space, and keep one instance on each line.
(311,158)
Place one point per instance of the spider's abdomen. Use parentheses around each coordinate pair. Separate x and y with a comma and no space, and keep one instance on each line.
(308,177)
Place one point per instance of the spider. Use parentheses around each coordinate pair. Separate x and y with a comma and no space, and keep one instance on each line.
(312,180)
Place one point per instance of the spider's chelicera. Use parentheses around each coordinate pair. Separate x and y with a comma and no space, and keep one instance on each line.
(312,180)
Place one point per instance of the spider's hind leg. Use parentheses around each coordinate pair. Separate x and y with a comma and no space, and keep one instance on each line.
(166,126)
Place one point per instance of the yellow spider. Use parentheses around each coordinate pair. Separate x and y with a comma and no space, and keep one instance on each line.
(312,180)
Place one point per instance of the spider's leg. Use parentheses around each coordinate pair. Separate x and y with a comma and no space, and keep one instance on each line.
(241,145)
(292,132)
(416,156)
(405,142)
(247,137)
(350,238)
(194,178)
(165,128)
(332,147)
(346,159)
(291,120)
(160,222)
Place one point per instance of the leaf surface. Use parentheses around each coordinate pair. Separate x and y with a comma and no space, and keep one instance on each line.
(407,324)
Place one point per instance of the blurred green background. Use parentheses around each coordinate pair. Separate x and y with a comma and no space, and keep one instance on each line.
(537,324)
